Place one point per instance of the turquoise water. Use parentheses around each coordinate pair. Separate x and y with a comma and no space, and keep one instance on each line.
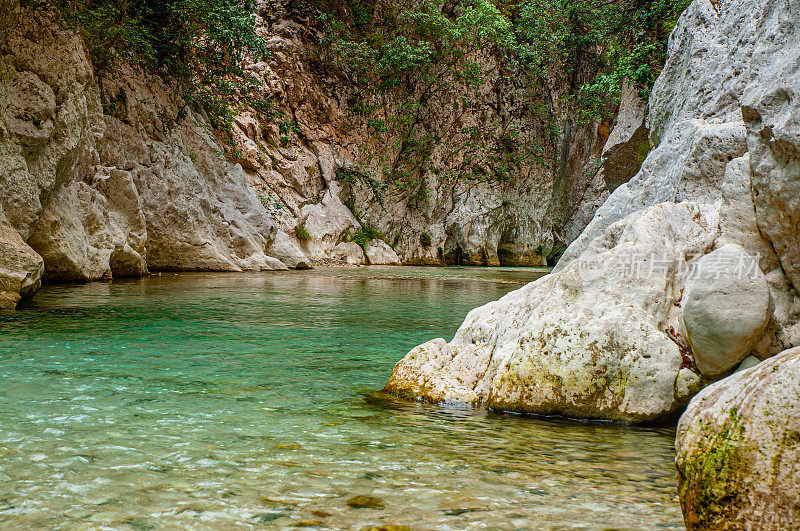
(226,401)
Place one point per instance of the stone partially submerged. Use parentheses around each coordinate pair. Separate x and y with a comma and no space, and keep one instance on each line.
(626,338)
(738,449)
(590,341)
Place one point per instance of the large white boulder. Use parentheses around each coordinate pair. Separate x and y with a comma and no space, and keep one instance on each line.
(738,449)
(590,341)
(726,306)
(93,231)
(349,253)
(287,251)
(328,223)
(379,253)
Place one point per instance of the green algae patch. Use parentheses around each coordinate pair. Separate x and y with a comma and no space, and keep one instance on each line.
(710,478)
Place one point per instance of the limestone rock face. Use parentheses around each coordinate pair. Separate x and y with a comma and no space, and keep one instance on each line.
(589,341)
(726,306)
(50,113)
(200,213)
(349,253)
(379,253)
(738,456)
(110,182)
(20,267)
(771,109)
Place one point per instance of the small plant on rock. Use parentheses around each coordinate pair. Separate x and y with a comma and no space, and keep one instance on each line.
(302,233)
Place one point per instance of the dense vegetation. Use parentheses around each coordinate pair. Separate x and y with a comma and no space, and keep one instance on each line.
(404,56)
(411,44)
(197,45)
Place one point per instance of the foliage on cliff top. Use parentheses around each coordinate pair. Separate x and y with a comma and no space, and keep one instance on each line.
(422,44)
(613,39)
(199,45)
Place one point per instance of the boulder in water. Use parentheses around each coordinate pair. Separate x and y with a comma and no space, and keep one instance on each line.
(738,449)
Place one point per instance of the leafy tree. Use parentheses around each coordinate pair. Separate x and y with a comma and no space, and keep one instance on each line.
(611,40)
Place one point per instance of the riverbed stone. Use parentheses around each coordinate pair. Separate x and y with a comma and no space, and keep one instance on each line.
(738,449)
(365,502)
(349,253)
(379,253)
(726,306)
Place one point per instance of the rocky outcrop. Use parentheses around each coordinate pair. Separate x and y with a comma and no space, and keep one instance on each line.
(726,306)
(379,253)
(588,342)
(639,314)
(20,267)
(287,251)
(350,253)
(200,213)
(695,118)
(771,111)
(738,449)
(623,153)
(93,230)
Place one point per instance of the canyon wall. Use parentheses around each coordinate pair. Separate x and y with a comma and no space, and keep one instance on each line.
(109,174)
(333,169)
(99,180)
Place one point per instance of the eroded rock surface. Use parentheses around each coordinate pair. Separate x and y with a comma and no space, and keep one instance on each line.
(350,253)
(771,110)
(738,449)
(20,267)
(379,253)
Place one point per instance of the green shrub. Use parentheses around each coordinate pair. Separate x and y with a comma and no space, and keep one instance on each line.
(425,239)
(365,235)
(302,233)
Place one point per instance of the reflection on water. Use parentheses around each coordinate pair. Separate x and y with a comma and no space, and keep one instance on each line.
(247,400)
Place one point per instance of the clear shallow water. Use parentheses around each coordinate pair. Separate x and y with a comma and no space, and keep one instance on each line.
(222,401)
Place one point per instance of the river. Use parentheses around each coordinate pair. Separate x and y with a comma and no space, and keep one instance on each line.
(225,401)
